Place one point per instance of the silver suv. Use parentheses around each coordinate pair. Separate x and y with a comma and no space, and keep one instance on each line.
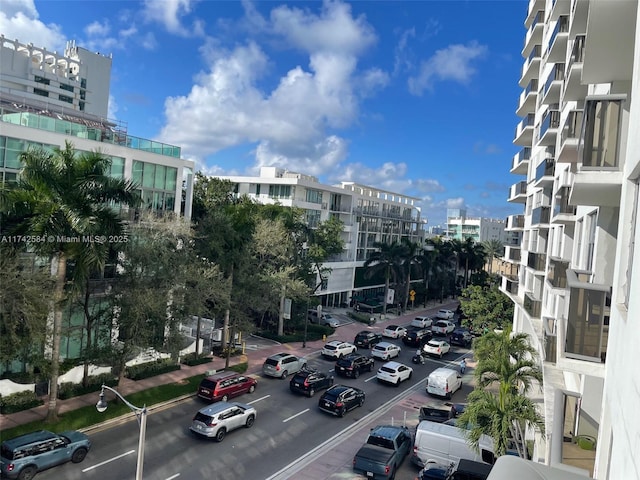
(219,418)
(282,364)
(24,456)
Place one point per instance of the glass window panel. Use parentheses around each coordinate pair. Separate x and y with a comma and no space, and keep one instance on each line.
(12,159)
(137,172)
(159,180)
(171,178)
(148,174)
(169,200)
(117,167)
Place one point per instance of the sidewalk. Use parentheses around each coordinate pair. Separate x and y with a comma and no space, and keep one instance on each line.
(255,359)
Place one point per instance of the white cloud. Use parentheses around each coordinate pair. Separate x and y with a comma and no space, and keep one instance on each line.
(98,29)
(452,63)
(457,202)
(112,108)
(428,185)
(19,20)
(170,14)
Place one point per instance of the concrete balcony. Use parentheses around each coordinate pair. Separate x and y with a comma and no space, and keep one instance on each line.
(514,223)
(534,34)
(545,172)
(558,8)
(540,217)
(549,127)
(531,66)
(532,305)
(528,98)
(524,131)
(518,192)
(553,85)
(537,262)
(510,284)
(512,254)
(574,89)
(557,47)
(557,272)
(579,14)
(563,212)
(569,137)
(520,162)
(535,6)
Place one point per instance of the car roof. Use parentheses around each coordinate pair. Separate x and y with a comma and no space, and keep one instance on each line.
(337,389)
(335,342)
(353,356)
(393,365)
(221,375)
(387,431)
(384,345)
(29,438)
(281,355)
(216,408)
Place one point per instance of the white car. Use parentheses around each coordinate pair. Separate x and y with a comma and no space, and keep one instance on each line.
(394,372)
(394,331)
(445,314)
(385,351)
(421,322)
(443,327)
(337,349)
(436,347)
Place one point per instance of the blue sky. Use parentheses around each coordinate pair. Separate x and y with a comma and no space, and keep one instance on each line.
(416,97)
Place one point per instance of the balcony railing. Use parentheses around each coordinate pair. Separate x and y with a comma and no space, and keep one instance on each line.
(550,120)
(602,131)
(514,255)
(537,261)
(541,215)
(577,52)
(515,221)
(572,126)
(519,188)
(522,156)
(556,75)
(562,26)
(557,273)
(545,169)
(532,87)
(535,53)
(531,305)
(511,285)
(588,319)
(562,206)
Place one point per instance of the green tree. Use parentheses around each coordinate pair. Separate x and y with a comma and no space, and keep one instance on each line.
(473,256)
(411,256)
(486,307)
(494,249)
(507,370)
(386,259)
(65,197)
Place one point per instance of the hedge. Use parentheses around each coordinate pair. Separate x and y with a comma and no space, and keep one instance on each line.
(151,369)
(17,402)
(70,389)
(362,317)
(192,359)
(314,332)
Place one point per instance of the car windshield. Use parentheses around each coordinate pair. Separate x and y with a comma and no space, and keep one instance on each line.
(380,347)
(271,361)
(330,396)
(330,347)
(201,417)
(387,370)
(206,383)
(433,344)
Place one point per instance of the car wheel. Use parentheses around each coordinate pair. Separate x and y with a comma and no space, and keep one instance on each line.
(410,373)
(224,398)
(79,455)
(356,373)
(361,402)
(250,420)
(221,434)
(311,392)
(371,367)
(397,384)
(284,374)
(341,412)
(340,356)
(392,475)
(28,473)
(304,366)
(252,388)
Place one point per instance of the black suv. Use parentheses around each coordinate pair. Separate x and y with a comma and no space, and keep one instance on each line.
(417,337)
(367,339)
(462,337)
(310,381)
(339,399)
(353,365)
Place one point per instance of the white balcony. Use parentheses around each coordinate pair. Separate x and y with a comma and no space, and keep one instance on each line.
(559,7)
(596,187)
(534,7)
(569,136)
(518,192)
(520,162)
(534,34)
(545,172)
(514,223)
(574,89)
(528,98)
(563,212)
(549,127)
(579,14)
(524,131)
(531,66)
(553,85)
(557,48)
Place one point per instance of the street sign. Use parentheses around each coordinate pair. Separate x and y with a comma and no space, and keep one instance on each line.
(287,309)
(319,309)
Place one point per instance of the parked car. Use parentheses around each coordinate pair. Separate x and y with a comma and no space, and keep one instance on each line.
(417,337)
(443,382)
(322,319)
(216,420)
(383,452)
(445,314)
(224,385)
(353,365)
(443,327)
(340,399)
(436,348)
(336,349)
(385,351)
(367,339)
(436,471)
(282,364)
(394,331)
(24,456)
(462,337)
(394,373)
(310,381)
(421,322)
(438,414)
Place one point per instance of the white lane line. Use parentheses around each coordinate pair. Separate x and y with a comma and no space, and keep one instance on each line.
(173,476)
(371,378)
(296,415)
(257,400)
(108,461)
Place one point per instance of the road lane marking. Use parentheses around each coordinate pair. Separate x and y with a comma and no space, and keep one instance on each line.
(371,378)
(108,461)
(294,416)
(173,476)
(257,400)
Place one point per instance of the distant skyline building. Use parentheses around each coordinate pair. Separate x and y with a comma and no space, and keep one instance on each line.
(461,227)
(577,278)
(369,215)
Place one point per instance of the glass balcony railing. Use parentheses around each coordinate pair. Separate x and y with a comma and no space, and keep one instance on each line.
(562,206)
(535,53)
(557,273)
(601,141)
(531,305)
(588,319)
(519,188)
(577,52)
(541,215)
(572,126)
(550,120)
(515,221)
(532,87)
(537,261)
(511,285)
(514,255)
(556,75)
(562,26)
(545,169)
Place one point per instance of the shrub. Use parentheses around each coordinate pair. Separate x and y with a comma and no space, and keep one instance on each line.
(17,402)
(314,332)
(69,389)
(220,351)
(240,367)
(192,359)
(151,369)
(362,317)
(20,377)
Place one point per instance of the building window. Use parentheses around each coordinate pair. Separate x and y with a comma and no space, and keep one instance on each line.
(601,136)
(65,98)
(81,106)
(258,188)
(590,230)
(312,218)
(39,91)
(314,196)
(44,81)
(280,191)
(83,83)
(68,88)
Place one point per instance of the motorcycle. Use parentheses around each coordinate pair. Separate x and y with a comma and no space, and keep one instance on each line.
(420,357)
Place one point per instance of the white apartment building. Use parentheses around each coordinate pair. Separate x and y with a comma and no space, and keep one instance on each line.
(577,263)
(480,229)
(47,99)
(369,215)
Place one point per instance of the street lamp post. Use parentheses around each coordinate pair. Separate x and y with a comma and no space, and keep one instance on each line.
(141,415)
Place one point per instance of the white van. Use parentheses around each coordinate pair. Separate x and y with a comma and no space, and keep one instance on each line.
(444,382)
(447,444)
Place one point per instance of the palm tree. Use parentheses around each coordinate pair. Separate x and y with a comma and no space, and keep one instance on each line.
(510,363)
(67,200)
(473,256)
(386,259)
(427,261)
(494,249)
(412,255)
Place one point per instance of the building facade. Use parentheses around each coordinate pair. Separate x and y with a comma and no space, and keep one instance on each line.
(461,227)
(577,265)
(369,215)
(47,99)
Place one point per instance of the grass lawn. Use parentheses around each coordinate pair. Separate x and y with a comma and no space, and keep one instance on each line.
(87,416)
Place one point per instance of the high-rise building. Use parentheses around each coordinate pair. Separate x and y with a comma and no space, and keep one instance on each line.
(369,215)
(578,268)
